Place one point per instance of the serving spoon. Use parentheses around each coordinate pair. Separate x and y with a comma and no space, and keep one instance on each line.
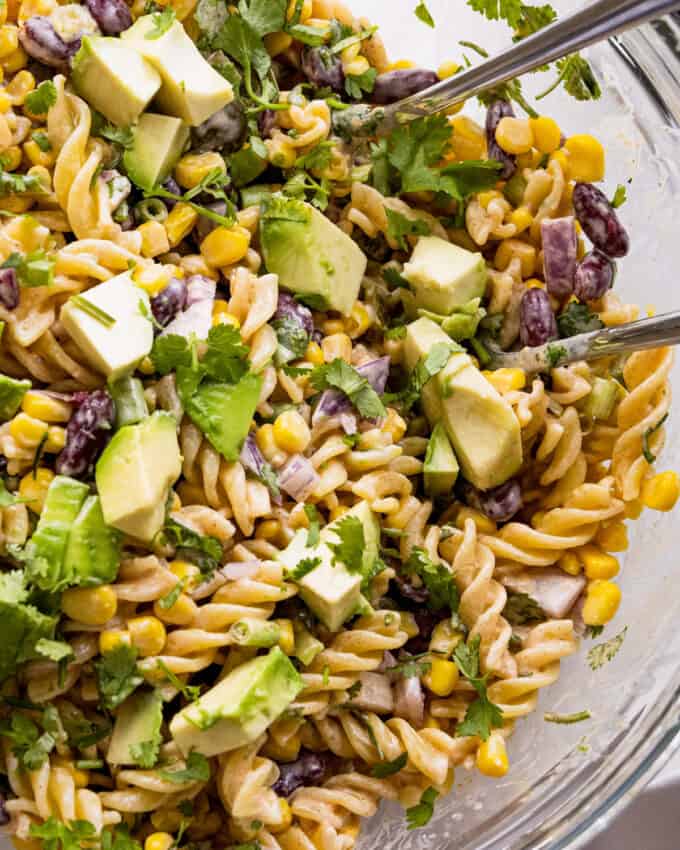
(596,22)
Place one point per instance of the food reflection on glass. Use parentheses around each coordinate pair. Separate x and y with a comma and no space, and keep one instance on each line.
(276,544)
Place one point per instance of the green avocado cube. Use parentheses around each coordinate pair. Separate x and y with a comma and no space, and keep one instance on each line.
(138,723)
(310,254)
(12,393)
(93,549)
(158,142)
(114,79)
(440,469)
(134,475)
(239,708)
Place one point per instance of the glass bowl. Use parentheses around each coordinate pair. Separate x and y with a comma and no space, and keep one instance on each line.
(567,782)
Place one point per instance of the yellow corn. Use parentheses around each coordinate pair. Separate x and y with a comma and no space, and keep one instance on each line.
(586,158)
(442,677)
(154,239)
(506,380)
(41,406)
(37,156)
(186,572)
(514,135)
(268,529)
(19,86)
(485,198)
(287,639)
(445,638)
(661,492)
(93,606)
(305,13)
(468,140)
(521,218)
(152,278)
(287,750)
(277,42)
(337,345)
(394,425)
(511,248)
(483,523)
(146,367)
(194,167)
(110,639)
(12,156)
(547,134)
(613,538)
(33,488)
(27,431)
(401,65)
(147,634)
(570,563)
(220,317)
(224,246)
(159,841)
(492,756)
(314,354)
(562,158)
(15,61)
(181,613)
(179,223)
(286,817)
(9,40)
(534,283)
(358,321)
(56,439)
(447,69)
(266,442)
(333,326)
(291,432)
(598,564)
(602,602)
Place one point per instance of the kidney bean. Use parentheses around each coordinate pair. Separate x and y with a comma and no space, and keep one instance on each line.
(308,769)
(171,185)
(87,433)
(9,288)
(41,41)
(289,308)
(396,85)
(266,121)
(499,504)
(537,323)
(205,225)
(594,276)
(113,16)
(323,68)
(599,220)
(224,131)
(169,302)
(498,110)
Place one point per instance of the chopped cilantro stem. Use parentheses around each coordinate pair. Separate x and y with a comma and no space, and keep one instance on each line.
(91,309)
(577,717)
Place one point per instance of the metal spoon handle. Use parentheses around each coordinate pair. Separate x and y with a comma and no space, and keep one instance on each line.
(596,22)
(635,336)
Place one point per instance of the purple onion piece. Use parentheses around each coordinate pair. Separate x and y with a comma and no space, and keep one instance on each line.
(266,121)
(555,591)
(200,288)
(308,769)
(497,111)
(499,504)
(559,255)
(594,276)
(169,302)
(376,373)
(298,478)
(112,16)
(396,85)
(409,700)
(251,456)
(288,308)
(9,288)
(323,68)
(87,432)
(196,319)
(171,185)
(41,41)
(599,220)
(334,403)
(537,320)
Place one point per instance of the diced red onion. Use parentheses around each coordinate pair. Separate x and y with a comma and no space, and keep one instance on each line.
(334,403)
(388,661)
(555,591)
(375,694)
(298,478)
(9,289)
(376,373)
(409,700)
(200,288)
(559,255)
(196,319)
(251,456)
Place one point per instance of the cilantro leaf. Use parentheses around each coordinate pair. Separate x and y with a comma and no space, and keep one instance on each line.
(200,549)
(620,197)
(420,814)
(292,338)
(341,376)
(554,353)
(599,655)
(56,835)
(578,319)
(399,227)
(264,16)
(410,668)
(396,332)
(167,601)
(521,608)
(437,578)
(350,550)
(423,14)
(162,21)
(649,456)
(359,84)
(306,565)
(427,367)
(169,352)
(318,158)
(123,136)
(145,754)
(40,100)
(55,650)
(577,77)
(42,141)
(482,715)
(197,770)
(533,19)
(189,692)
(225,355)
(494,10)
(312,515)
(462,179)
(117,675)
(30,747)
(389,768)
(416,148)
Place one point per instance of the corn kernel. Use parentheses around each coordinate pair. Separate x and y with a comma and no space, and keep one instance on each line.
(56,439)
(547,134)
(16,60)
(287,639)
(19,86)
(194,167)
(226,319)
(306,11)
(179,223)
(180,613)
(291,432)
(337,345)
(147,634)
(266,442)
(602,602)
(394,425)
(333,326)
(268,529)
(27,431)
(561,157)
(41,406)
(37,156)
(12,156)
(358,321)
(33,488)
(186,572)
(613,538)
(9,40)
(570,564)
(514,135)
(159,841)
(468,140)
(598,564)
(521,218)
(534,283)
(492,756)
(586,158)
(152,278)
(442,677)
(93,606)
(485,198)
(154,239)
(225,246)
(483,523)
(314,354)
(285,751)
(447,69)
(286,817)
(401,65)
(511,248)
(506,380)
(661,492)
(110,639)
(277,42)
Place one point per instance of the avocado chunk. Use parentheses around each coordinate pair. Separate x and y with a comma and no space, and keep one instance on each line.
(440,469)
(224,412)
(462,323)
(310,254)
(114,345)
(46,550)
(128,397)
(12,393)
(134,475)
(239,708)
(158,142)
(191,89)
(602,399)
(114,79)
(445,276)
(136,736)
(93,549)
(22,624)
(481,425)
(330,590)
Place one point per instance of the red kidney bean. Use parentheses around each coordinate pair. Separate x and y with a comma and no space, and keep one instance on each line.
(594,276)
(87,433)
(396,85)
(266,121)
(41,41)
(499,504)
(169,302)
(599,220)
(113,16)
(323,68)
(223,131)
(559,255)
(498,110)
(309,769)
(9,289)
(537,323)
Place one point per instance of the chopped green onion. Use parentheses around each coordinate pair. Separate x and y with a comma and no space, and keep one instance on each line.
(92,310)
